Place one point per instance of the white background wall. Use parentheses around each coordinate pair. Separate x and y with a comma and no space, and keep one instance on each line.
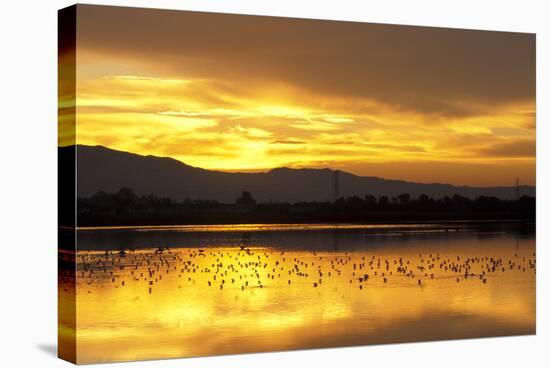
(28,136)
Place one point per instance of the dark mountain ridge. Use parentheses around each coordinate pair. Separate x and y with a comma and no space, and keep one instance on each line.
(103,169)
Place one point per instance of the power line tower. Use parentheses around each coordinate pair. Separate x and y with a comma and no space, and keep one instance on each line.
(336,186)
(517,188)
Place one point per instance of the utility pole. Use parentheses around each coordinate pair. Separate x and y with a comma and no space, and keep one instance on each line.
(517,189)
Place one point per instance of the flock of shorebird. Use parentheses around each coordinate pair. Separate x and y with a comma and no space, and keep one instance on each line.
(246,267)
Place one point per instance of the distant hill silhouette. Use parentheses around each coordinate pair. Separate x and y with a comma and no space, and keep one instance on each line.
(104,169)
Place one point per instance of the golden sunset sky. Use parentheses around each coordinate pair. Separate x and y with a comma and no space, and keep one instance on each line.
(248,93)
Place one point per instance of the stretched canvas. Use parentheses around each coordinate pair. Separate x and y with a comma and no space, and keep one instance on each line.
(237,184)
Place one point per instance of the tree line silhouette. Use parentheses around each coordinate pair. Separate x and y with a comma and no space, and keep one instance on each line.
(126,208)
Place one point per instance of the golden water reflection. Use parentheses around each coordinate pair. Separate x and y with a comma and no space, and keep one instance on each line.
(162,303)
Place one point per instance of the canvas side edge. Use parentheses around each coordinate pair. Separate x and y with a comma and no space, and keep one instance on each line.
(67,347)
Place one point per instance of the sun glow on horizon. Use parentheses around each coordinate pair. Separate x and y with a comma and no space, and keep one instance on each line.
(163,117)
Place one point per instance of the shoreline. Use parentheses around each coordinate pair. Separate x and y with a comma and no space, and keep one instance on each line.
(310,225)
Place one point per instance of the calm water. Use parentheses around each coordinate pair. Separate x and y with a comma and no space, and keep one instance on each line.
(202,290)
